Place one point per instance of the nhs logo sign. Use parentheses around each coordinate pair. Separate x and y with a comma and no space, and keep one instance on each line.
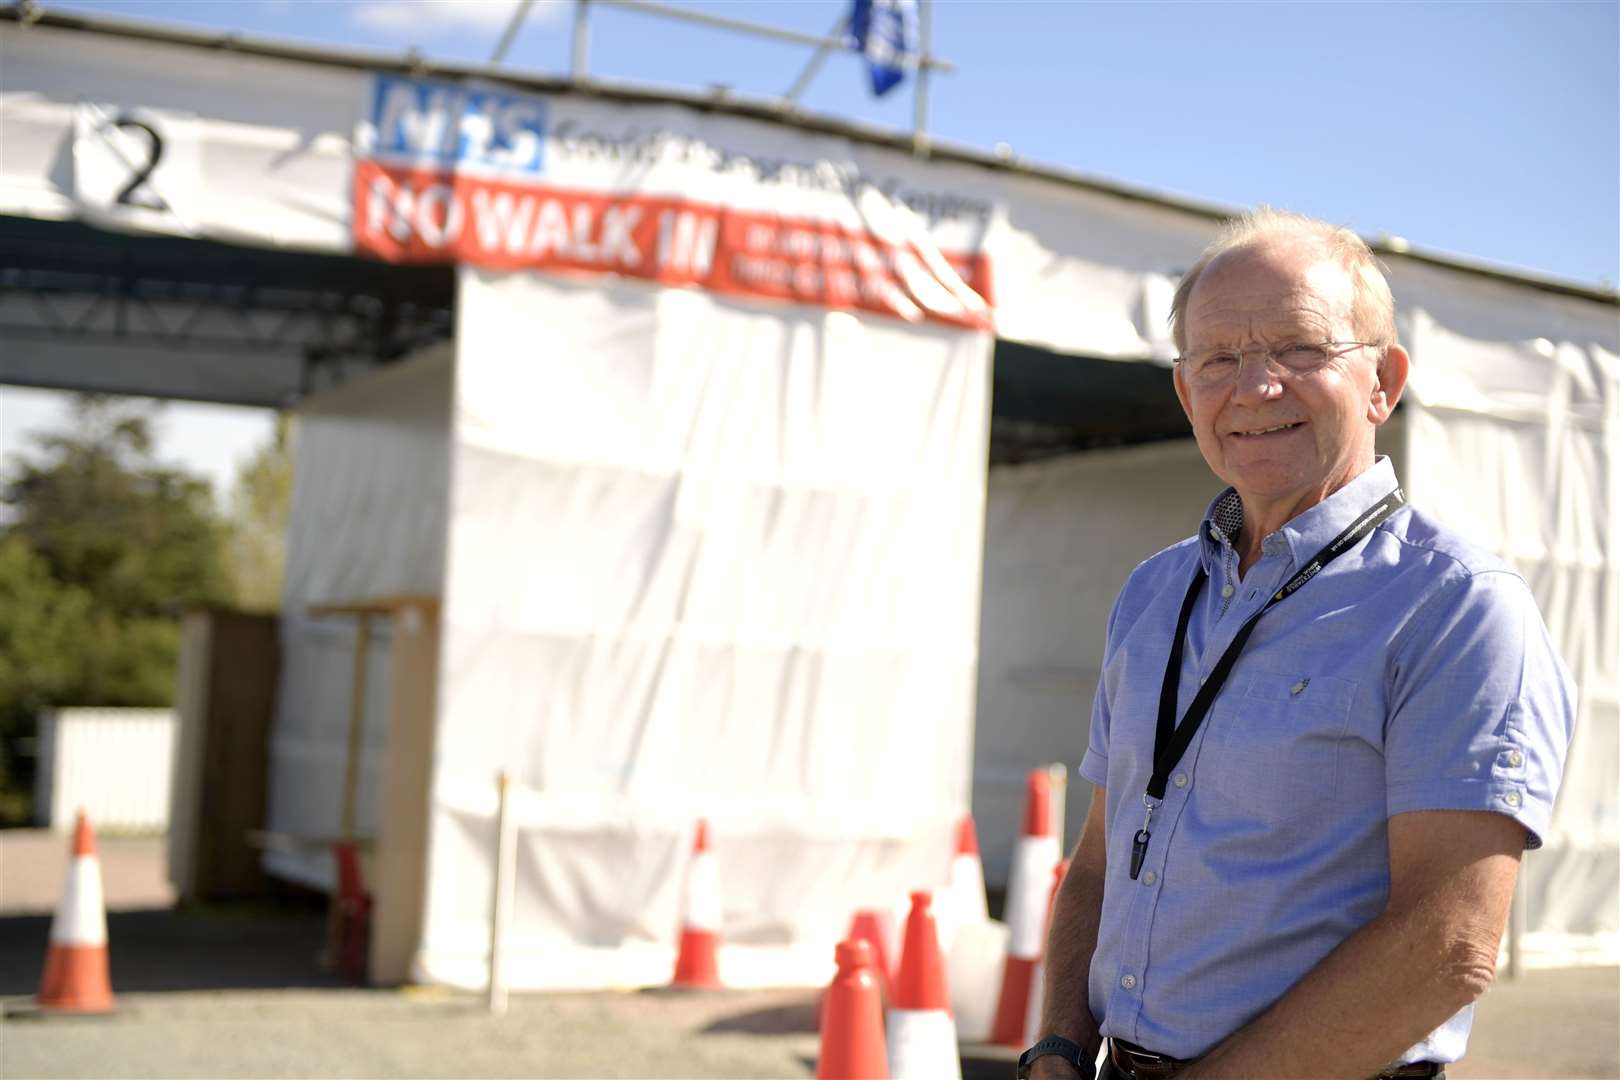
(444,125)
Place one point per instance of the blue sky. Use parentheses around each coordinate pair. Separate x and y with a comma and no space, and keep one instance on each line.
(1488,130)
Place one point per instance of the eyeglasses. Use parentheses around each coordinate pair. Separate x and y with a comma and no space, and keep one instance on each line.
(1212,367)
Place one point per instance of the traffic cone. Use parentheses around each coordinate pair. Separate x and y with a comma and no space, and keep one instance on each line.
(1037,985)
(697,965)
(867,925)
(1027,889)
(962,901)
(75,978)
(967,876)
(852,1046)
(922,1035)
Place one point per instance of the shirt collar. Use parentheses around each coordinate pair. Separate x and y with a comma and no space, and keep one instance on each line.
(1311,531)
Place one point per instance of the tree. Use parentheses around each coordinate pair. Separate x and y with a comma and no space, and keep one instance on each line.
(100,548)
(108,518)
(256,546)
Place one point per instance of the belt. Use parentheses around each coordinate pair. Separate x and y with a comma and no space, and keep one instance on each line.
(1139,1064)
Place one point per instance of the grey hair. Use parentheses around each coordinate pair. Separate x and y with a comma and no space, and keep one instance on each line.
(1372,309)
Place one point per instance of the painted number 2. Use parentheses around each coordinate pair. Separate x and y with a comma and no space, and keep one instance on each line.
(132,193)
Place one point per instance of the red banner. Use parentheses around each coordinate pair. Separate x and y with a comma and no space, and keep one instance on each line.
(429,216)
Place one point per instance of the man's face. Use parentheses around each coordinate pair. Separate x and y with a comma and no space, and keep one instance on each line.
(1284,440)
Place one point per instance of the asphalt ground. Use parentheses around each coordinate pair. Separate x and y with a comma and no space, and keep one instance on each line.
(238,992)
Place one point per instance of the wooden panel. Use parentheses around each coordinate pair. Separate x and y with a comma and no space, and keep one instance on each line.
(399,867)
(235,728)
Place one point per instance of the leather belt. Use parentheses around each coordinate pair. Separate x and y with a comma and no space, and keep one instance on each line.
(1139,1064)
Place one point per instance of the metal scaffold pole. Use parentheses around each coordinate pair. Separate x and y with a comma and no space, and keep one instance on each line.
(919,122)
(510,33)
(582,40)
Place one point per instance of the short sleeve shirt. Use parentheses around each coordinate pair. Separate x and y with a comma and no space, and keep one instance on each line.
(1413,673)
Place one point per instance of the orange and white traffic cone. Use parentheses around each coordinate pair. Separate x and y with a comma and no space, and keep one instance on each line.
(697,964)
(1037,985)
(974,946)
(852,1044)
(922,1034)
(966,882)
(867,925)
(1027,888)
(962,901)
(75,978)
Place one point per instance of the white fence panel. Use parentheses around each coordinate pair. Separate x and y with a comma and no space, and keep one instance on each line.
(115,764)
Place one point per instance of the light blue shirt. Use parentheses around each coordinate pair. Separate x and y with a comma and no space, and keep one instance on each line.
(1413,673)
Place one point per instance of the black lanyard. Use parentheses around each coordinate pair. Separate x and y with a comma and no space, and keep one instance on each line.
(1171,740)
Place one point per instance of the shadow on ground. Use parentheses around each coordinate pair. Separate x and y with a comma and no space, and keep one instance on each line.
(169,950)
(798,1017)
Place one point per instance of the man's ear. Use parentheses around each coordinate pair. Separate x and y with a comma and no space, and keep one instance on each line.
(1180,380)
(1391,374)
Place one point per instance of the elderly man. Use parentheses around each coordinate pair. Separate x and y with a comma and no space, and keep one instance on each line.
(1326,726)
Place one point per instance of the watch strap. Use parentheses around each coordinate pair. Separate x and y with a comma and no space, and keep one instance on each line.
(1067,1049)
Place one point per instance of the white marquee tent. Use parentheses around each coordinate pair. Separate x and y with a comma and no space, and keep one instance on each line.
(701,487)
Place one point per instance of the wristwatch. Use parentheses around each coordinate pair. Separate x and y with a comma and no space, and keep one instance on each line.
(1063,1048)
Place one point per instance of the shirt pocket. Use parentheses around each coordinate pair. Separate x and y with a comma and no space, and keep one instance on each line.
(1272,751)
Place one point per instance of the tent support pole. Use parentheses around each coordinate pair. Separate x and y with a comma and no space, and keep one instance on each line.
(500,907)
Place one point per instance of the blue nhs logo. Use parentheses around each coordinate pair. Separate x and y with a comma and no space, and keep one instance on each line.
(443,124)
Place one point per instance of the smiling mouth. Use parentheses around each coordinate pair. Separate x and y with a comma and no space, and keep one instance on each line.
(1273,430)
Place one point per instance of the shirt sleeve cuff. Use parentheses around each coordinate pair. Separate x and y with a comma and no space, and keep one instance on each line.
(1506,797)
(1094,767)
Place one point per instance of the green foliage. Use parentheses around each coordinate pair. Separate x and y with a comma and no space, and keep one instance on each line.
(41,623)
(256,549)
(100,548)
(106,518)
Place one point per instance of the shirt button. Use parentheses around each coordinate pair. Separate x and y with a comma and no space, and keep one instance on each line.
(1511,798)
(1515,759)
(1149,878)
(1227,590)
(1128,982)
(1181,779)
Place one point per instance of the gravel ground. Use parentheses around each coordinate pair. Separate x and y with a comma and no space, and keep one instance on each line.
(237,993)
(1551,1024)
(351,1033)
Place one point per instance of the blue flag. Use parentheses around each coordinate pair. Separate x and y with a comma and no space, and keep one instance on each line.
(885,32)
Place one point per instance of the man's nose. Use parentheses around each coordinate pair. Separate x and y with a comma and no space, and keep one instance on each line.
(1257,378)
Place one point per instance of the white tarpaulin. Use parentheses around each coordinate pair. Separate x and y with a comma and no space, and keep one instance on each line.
(322,157)
(370,492)
(149,137)
(1514,440)
(707,558)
